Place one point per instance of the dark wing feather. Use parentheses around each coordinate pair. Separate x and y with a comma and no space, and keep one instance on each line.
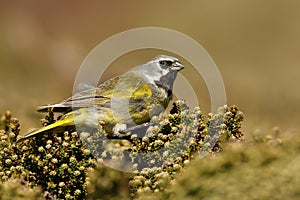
(85,98)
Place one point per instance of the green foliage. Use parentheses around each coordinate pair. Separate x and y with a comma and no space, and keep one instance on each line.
(63,163)
(108,183)
(187,137)
(57,163)
(17,190)
(265,168)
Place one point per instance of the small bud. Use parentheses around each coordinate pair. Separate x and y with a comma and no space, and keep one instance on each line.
(49,141)
(86,152)
(8,161)
(77,192)
(11,135)
(54,161)
(7,114)
(61,184)
(77,173)
(64,166)
(41,149)
(74,135)
(48,156)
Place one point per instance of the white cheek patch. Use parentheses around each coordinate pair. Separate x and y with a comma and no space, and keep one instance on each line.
(164,72)
(150,72)
(156,75)
(152,75)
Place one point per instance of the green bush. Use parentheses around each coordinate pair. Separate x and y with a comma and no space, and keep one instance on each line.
(265,168)
(64,164)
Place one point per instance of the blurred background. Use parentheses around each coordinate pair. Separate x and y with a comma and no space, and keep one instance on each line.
(255,44)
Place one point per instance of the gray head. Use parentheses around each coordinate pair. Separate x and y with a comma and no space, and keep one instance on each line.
(167,63)
(160,71)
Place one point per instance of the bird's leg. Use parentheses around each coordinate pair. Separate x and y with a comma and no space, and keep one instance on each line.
(118,128)
(141,128)
(122,132)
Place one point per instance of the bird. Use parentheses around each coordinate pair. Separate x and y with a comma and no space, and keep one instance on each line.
(130,99)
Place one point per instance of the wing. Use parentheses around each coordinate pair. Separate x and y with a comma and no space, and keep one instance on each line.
(122,87)
(85,98)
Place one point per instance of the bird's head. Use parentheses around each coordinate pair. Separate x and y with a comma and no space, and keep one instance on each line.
(160,70)
(166,63)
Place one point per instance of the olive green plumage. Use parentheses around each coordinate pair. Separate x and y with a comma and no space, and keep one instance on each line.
(131,99)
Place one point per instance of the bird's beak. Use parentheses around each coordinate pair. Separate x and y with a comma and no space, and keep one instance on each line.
(178,66)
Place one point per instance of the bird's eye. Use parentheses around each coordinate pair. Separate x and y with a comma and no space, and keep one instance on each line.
(165,63)
(162,62)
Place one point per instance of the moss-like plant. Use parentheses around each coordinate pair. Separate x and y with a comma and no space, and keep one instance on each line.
(266,167)
(64,164)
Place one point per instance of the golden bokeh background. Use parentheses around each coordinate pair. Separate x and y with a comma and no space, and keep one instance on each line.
(255,44)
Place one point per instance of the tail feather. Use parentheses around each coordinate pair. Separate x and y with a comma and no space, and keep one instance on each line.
(55,108)
(64,122)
